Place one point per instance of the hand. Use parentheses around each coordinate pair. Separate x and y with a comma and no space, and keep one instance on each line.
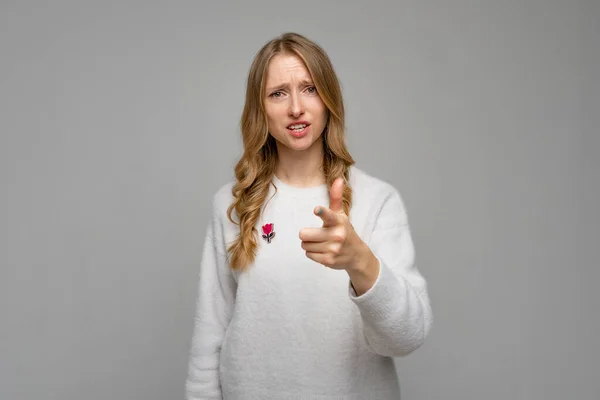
(336,245)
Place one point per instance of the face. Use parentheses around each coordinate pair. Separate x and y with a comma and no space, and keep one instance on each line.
(295,112)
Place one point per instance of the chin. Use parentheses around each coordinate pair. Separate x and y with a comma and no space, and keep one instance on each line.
(300,148)
(297,144)
(304,143)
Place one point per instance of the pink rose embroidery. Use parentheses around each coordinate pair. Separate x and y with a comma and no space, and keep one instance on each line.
(268,233)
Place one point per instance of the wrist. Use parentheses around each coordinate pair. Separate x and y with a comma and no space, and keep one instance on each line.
(365,265)
(364,261)
(364,272)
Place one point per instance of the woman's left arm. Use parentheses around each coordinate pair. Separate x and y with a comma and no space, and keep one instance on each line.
(391,294)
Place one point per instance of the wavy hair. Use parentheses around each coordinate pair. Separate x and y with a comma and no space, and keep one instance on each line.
(255,169)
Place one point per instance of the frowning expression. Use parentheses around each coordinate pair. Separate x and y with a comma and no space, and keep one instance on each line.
(295,112)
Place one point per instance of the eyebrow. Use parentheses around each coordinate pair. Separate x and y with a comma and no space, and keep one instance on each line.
(304,82)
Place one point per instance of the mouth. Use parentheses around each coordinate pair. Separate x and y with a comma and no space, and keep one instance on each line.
(298,127)
(298,130)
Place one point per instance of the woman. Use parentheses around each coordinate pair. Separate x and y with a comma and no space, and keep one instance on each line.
(308,285)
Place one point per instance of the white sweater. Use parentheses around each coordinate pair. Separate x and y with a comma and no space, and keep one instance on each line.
(291,328)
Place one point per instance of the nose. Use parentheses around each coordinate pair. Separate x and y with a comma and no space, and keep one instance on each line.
(296,106)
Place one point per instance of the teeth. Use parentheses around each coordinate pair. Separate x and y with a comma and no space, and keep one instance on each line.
(297,126)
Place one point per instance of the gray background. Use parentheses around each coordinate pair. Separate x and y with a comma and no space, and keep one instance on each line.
(119,120)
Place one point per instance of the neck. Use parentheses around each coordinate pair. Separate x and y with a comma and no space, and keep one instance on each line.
(301,168)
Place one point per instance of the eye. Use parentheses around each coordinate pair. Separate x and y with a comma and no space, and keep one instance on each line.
(312,89)
(276,94)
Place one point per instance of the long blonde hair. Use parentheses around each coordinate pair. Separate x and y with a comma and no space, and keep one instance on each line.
(255,169)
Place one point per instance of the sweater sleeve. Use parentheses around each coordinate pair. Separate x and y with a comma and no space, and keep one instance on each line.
(214,305)
(395,311)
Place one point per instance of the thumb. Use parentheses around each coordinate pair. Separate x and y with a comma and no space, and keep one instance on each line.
(335,195)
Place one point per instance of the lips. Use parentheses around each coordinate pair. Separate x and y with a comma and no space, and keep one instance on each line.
(299,132)
(298,125)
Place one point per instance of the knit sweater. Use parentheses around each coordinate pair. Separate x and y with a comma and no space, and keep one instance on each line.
(291,328)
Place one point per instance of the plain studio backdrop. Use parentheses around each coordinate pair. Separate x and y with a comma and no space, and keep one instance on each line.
(119,120)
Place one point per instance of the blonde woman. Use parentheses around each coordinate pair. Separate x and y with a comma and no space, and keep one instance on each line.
(308,283)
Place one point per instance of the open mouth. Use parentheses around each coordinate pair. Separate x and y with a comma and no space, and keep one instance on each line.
(297,128)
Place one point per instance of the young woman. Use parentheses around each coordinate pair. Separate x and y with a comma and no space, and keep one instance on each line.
(308,284)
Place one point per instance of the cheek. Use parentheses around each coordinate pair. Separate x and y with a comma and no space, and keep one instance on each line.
(317,107)
(275,113)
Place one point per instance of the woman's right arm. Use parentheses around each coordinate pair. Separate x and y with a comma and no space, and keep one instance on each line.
(214,306)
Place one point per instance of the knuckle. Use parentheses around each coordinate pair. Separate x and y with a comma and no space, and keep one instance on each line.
(339,237)
(336,248)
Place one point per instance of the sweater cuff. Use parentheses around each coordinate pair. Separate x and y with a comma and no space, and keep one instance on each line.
(378,301)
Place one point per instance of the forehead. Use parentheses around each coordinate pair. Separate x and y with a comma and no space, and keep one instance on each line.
(286,67)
